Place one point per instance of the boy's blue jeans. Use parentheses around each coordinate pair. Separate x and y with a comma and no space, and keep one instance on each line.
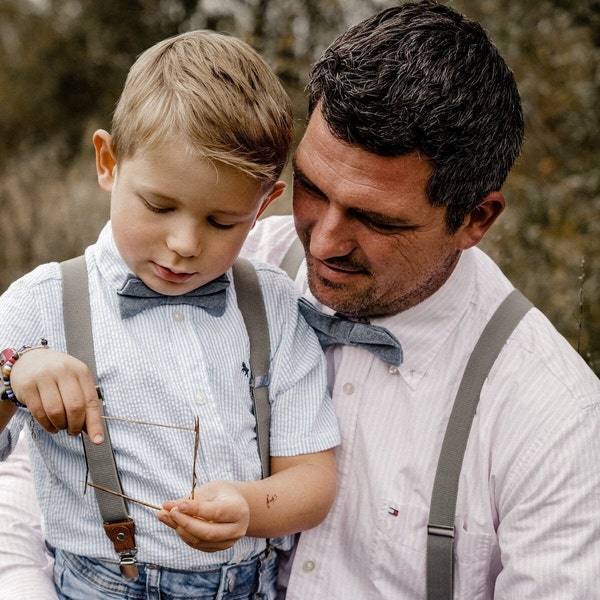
(80,578)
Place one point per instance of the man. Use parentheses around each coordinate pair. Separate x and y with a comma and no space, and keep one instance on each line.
(415,121)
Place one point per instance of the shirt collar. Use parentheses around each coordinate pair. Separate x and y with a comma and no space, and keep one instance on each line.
(424,328)
(112,267)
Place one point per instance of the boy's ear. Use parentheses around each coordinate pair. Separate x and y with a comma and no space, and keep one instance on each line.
(105,159)
(275,192)
(480,219)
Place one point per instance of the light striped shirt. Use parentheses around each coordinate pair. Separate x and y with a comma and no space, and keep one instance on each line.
(528,510)
(167,365)
(25,569)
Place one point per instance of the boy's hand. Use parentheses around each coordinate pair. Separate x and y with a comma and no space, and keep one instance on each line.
(58,391)
(214,520)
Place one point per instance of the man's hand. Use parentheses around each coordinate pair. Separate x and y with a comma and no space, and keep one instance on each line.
(214,520)
(58,391)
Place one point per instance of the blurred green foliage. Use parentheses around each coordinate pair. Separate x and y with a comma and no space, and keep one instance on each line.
(63,62)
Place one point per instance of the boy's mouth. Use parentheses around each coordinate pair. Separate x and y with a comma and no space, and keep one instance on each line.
(172,276)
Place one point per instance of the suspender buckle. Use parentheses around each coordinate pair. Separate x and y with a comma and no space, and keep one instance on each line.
(440,530)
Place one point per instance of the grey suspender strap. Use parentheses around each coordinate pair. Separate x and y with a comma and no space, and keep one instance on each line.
(440,530)
(250,302)
(119,527)
(293,258)
(100,458)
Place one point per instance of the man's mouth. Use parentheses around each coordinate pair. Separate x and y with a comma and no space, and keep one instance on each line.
(336,270)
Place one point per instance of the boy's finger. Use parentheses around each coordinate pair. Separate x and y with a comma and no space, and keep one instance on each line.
(215,512)
(37,411)
(165,518)
(93,418)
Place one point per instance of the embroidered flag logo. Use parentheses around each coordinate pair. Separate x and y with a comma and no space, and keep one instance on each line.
(393,511)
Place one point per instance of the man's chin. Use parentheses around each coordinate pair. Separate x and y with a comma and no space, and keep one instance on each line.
(336,296)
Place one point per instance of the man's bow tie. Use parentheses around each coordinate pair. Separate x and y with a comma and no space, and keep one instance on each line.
(332,329)
(135,296)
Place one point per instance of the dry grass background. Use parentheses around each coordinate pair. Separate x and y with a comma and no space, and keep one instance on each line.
(51,207)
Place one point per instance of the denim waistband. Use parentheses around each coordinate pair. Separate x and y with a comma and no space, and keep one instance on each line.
(82,578)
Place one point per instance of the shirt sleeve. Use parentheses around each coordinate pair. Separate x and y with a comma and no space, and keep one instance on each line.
(302,416)
(546,476)
(270,239)
(25,564)
(549,529)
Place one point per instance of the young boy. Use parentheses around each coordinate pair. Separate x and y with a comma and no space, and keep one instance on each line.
(199,138)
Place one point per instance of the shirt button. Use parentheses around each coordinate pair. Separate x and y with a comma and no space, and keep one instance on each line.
(393,369)
(200,398)
(308,566)
(177,316)
(348,388)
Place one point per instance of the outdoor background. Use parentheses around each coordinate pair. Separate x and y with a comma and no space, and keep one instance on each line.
(63,63)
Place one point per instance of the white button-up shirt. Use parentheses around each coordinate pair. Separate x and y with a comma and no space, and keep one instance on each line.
(528,510)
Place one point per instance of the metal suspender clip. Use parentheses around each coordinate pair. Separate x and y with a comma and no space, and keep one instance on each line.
(440,530)
(260,381)
(128,566)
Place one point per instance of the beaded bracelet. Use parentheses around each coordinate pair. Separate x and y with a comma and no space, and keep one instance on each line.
(8,358)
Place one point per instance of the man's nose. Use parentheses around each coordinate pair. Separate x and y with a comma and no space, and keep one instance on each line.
(332,235)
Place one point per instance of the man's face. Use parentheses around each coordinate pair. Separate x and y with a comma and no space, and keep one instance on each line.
(374,244)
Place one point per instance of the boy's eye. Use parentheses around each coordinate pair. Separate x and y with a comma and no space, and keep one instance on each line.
(218,225)
(155,209)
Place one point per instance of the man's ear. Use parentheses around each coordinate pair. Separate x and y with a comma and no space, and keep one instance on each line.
(275,192)
(106,162)
(480,219)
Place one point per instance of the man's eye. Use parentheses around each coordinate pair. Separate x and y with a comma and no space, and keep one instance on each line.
(381,226)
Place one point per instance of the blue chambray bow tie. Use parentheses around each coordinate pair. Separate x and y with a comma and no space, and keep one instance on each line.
(135,296)
(332,329)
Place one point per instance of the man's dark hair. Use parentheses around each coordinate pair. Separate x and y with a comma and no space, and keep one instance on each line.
(422,77)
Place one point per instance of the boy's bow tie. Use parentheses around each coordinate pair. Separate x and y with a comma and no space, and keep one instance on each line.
(135,296)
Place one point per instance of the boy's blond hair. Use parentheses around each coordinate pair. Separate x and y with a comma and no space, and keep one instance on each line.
(217,93)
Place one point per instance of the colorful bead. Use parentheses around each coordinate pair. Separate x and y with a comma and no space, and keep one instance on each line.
(8,357)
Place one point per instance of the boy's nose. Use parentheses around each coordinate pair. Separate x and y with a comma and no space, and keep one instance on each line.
(184,240)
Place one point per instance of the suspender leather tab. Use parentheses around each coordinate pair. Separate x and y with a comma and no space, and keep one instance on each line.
(122,535)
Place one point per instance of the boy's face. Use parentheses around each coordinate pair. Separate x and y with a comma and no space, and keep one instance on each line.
(178,220)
